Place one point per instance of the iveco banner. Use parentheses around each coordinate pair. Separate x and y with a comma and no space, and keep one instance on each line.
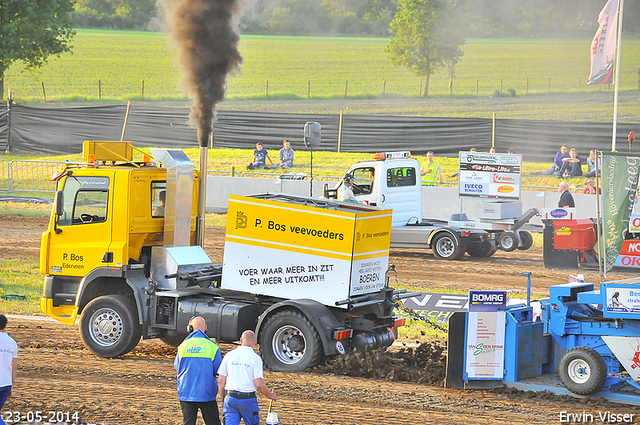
(490,175)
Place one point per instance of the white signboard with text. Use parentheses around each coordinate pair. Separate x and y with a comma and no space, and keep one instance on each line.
(484,356)
(490,175)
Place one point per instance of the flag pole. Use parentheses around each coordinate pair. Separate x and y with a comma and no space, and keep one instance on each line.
(615,100)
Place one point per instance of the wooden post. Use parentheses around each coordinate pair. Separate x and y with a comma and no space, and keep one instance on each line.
(493,130)
(267,88)
(308,89)
(450,85)
(99,89)
(420,89)
(549,85)
(501,85)
(384,87)
(477,83)
(579,84)
(44,92)
(527,86)
(142,88)
(340,131)
(346,87)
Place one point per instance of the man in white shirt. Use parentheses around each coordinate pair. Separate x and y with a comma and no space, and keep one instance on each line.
(8,362)
(240,375)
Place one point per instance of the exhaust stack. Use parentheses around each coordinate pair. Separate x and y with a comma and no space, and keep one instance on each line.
(179,196)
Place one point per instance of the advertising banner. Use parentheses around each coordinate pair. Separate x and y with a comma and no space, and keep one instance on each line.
(603,46)
(290,250)
(619,186)
(437,307)
(487,300)
(489,175)
(627,351)
(484,356)
(622,299)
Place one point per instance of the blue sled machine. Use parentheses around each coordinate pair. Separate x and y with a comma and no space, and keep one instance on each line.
(586,343)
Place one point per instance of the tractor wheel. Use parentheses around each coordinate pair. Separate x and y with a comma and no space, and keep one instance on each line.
(582,370)
(445,247)
(508,241)
(290,343)
(481,250)
(109,326)
(527,240)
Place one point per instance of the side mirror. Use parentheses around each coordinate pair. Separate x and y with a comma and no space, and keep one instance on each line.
(59,203)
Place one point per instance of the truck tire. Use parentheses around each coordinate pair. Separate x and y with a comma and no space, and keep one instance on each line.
(583,370)
(445,247)
(527,240)
(290,343)
(508,241)
(109,326)
(481,250)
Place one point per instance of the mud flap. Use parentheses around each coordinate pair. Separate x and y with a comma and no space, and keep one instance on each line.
(455,350)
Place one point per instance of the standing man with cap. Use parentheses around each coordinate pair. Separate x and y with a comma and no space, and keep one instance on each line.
(241,375)
(8,362)
(197,364)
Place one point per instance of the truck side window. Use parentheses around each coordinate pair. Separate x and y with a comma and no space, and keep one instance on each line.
(401,176)
(85,200)
(364,179)
(158,198)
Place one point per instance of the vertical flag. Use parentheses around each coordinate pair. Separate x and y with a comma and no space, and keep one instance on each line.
(619,186)
(603,47)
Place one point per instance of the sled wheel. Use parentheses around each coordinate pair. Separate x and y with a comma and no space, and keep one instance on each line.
(582,370)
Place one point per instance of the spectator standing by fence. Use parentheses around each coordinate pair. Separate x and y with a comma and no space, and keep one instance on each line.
(430,171)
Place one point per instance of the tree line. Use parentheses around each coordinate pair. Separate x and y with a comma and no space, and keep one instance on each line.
(481,18)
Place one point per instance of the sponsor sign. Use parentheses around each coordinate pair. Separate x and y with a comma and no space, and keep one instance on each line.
(629,255)
(487,300)
(627,351)
(619,186)
(437,307)
(622,300)
(290,250)
(634,222)
(484,354)
(489,175)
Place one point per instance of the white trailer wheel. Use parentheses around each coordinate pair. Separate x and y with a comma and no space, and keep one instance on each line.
(582,370)
(445,247)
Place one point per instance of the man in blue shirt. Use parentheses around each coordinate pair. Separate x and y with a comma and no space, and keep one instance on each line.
(197,364)
(557,162)
(260,156)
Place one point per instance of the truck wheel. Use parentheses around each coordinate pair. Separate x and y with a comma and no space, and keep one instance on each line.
(109,326)
(583,370)
(527,240)
(508,241)
(481,250)
(445,247)
(290,343)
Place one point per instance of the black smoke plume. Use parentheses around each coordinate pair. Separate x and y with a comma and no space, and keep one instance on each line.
(205,31)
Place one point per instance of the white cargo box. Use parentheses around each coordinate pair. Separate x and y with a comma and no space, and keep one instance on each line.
(499,210)
(327,252)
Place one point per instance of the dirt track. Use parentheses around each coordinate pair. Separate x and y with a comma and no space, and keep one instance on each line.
(58,374)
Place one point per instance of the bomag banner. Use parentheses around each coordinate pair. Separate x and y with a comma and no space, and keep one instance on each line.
(619,186)
(296,251)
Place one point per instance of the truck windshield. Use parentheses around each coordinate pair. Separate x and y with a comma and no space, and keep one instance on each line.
(85,200)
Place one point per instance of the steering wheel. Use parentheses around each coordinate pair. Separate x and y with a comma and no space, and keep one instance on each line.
(87,218)
(357,190)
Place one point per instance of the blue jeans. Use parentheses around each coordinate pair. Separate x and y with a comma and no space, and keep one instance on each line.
(247,409)
(4,393)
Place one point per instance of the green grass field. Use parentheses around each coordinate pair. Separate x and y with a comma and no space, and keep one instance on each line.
(122,60)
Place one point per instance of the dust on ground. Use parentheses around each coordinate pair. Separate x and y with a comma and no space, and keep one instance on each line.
(400,386)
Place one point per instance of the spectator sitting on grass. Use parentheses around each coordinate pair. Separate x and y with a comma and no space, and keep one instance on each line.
(260,155)
(591,165)
(286,155)
(571,167)
(557,162)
